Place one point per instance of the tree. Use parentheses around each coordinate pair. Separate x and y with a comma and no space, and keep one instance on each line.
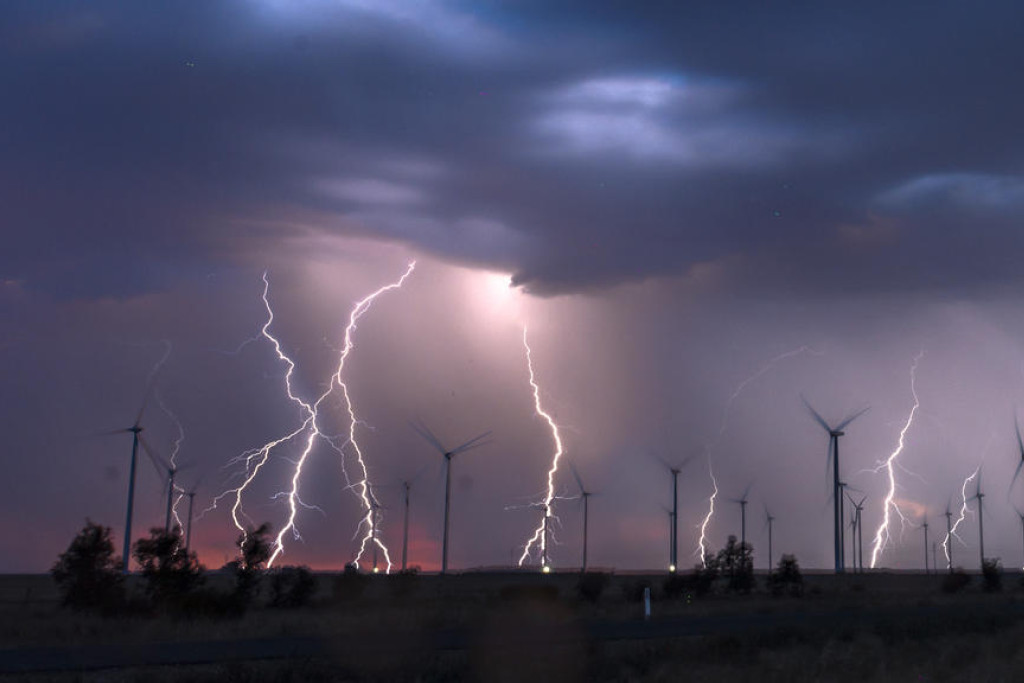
(170,571)
(88,574)
(255,550)
(736,562)
(787,579)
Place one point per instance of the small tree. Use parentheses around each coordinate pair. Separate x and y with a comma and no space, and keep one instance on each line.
(255,550)
(736,561)
(170,571)
(88,573)
(787,579)
(291,586)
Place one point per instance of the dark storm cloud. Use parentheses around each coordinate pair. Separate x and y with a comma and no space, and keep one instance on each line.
(577,146)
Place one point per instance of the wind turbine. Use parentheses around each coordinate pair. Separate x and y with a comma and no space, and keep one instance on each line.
(585,496)
(375,508)
(769,521)
(742,502)
(1021,516)
(476,441)
(407,487)
(136,431)
(979,496)
(172,471)
(833,459)
(858,555)
(924,525)
(674,470)
(949,535)
(191,500)
(1020,446)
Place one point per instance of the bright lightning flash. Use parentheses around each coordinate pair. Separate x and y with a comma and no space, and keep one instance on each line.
(540,538)
(362,486)
(962,517)
(882,535)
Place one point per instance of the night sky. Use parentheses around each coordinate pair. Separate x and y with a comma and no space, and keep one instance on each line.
(705,211)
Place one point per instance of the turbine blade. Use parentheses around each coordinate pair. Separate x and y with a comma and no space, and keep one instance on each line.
(839,427)
(112,432)
(1016,473)
(475,442)
(425,432)
(161,465)
(1020,441)
(746,491)
(814,413)
(576,476)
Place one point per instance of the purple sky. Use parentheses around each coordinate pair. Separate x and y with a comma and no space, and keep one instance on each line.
(679,196)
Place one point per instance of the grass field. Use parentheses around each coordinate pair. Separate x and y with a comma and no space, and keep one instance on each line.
(528,627)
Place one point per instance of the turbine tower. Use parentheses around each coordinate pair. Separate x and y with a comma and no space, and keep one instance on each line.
(1020,463)
(585,497)
(476,441)
(924,525)
(742,502)
(191,501)
(769,522)
(674,470)
(858,555)
(1021,516)
(979,496)
(833,460)
(949,536)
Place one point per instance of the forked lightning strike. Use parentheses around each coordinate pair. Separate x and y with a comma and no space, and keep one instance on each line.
(961,518)
(889,504)
(543,532)
(709,447)
(362,486)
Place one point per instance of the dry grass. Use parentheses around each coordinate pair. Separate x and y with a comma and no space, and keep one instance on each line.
(876,643)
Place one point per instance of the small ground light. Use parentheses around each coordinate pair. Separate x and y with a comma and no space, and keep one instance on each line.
(672,568)
(546,569)
(375,570)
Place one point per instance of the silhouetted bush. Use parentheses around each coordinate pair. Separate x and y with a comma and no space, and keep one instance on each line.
(291,587)
(350,584)
(591,585)
(991,575)
(88,574)
(955,581)
(786,579)
(676,585)
(704,575)
(169,570)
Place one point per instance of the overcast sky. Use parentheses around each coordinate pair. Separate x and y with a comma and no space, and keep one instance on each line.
(706,210)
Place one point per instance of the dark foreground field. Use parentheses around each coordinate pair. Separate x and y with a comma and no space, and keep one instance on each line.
(528,627)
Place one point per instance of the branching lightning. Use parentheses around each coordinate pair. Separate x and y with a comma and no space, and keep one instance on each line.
(710,446)
(962,517)
(542,535)
(889,504)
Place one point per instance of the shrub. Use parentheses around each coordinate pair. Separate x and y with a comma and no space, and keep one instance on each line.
(787,579)
(702,580)
(88,574)
(955,581)
(291,587)
(991,575)
(248,570)
(170,571)
(591,585)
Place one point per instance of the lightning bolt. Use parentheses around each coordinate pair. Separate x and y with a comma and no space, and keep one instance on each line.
(372,515)
(963,515)
(882,536)
(253,460)
(723,425)
(540,538)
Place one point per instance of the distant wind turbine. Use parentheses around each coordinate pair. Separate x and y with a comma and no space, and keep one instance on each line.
(833,460)
(742,502)
(768,522)
(674,469)
(1020,463)
(475,442)
(979,496)
(191,501)
(924,525)
(585,496)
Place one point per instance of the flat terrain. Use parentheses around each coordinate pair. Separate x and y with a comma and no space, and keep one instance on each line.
(491,626)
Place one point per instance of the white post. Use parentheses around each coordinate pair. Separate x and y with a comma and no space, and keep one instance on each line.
(647,602)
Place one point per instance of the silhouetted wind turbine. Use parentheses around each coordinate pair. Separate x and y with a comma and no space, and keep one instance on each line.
(476,441)
(191,500)
(1021,516)
(833,458)
(585,496)
(407,487)
(949,535)
(742,502)
(674,470)
(136,431)
(924,525)
(769,521)
(979,496)
(858,532)
(1020,447)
